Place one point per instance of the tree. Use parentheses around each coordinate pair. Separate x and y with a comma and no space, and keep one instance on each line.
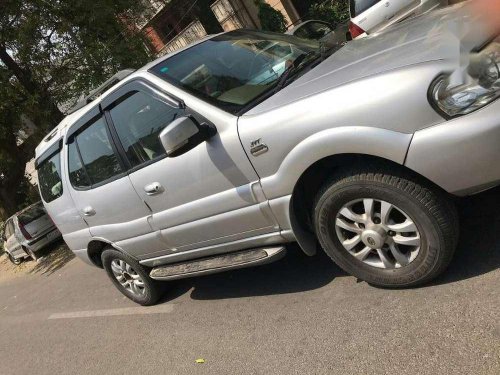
(270,18)
(334,12)
(52,52)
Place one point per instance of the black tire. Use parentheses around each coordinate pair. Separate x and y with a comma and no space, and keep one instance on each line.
(16,262)
(152,292)
(430,209)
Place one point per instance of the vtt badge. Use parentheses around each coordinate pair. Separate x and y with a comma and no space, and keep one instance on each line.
(257,147)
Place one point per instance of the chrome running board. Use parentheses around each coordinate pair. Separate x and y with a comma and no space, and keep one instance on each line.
(220,263)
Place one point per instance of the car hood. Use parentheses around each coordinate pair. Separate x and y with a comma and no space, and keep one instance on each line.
(440,35)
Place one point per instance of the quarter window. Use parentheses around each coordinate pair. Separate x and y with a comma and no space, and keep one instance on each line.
(49,178)
(98,161)
(138,120)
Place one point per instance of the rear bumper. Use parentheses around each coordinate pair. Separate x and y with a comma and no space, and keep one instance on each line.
(38,243)
(461,155)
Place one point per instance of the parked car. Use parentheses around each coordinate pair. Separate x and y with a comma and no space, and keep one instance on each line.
(27,232)
(200,162)
(322,31)
(370,16)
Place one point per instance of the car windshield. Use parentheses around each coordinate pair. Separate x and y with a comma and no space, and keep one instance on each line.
(234,69)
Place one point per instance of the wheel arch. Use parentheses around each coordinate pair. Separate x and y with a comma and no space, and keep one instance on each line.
(96,247)
(314,177)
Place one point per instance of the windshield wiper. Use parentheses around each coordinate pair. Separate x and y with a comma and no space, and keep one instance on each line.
(293,68)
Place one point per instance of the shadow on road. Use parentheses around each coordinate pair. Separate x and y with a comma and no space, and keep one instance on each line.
(54,257)
(478,253)
(294,273)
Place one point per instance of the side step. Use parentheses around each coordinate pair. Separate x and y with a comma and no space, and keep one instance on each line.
(221,263)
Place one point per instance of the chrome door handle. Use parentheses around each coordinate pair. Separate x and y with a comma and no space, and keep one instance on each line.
(89,211)
(154,188)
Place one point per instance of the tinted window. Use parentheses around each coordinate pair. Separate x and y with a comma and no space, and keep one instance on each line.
(359,6)
(49,178)
(31,214)
(233,69)
(138,120)
(77,174)
(318,30)
(99,159)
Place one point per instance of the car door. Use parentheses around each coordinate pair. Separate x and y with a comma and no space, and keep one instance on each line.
(101,189)
(208,196)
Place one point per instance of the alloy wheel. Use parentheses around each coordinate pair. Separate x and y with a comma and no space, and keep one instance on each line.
(128,277)
(378,233)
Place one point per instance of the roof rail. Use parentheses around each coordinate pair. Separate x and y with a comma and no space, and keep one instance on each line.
(94,94)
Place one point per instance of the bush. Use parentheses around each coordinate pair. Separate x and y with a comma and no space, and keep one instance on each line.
(334,12)
(270,18)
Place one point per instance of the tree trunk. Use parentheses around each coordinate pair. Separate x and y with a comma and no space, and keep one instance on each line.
(26,80)
(7,202)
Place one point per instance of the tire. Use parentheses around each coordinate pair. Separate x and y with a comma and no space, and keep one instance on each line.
(424,253)
(16,262)
(146,295)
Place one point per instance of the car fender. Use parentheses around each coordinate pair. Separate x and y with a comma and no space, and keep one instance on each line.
(382,143)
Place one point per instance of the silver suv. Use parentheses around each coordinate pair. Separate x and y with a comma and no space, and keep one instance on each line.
(214,157)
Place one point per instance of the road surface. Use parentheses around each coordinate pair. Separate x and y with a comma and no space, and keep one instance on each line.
(300,315)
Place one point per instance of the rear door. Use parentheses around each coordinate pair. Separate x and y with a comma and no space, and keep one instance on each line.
(100,187)
(370,15)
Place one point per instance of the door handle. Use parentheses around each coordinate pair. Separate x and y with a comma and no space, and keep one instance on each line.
(88,211)
(154,188)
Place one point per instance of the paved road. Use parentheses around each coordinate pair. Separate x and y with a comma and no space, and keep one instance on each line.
(297,316)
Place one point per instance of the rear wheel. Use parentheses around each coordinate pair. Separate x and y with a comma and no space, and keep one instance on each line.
(386,228)
(130,278)
(15,261)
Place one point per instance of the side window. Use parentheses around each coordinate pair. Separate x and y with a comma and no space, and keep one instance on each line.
(98,161)
(77,174)
(318,30)
(139,120)
(49,178)
(302,33)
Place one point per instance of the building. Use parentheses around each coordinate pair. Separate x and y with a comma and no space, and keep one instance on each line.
(172,24)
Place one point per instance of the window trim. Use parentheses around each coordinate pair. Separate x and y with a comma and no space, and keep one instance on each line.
(47,154)
(55,149)
(72,137)
(123,93)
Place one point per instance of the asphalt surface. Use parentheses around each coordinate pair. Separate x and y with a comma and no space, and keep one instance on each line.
(300,315)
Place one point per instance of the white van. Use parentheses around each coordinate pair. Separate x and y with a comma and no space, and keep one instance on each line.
(369,16)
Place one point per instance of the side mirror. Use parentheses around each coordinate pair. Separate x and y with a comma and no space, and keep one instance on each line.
(184,134)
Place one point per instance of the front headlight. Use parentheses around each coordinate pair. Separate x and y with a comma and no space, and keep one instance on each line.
(481,84)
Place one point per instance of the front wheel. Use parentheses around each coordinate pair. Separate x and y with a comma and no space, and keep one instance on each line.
(130,278)
(386,228)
